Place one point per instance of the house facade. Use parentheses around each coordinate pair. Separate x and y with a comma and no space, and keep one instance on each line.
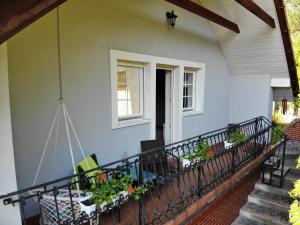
(127,76)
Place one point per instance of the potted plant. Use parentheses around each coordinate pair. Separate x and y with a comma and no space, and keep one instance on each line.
(109,192)
(202,152)
(234,138)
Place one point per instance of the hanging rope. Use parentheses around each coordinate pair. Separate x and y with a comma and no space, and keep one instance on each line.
(55,144)
(58,54)
(46,146)
(61,109)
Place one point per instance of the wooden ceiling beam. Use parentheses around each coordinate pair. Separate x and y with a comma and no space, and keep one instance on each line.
(205,13)
(257,11)
(28,16)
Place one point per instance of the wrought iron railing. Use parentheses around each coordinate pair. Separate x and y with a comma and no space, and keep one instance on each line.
(273,169)
(171,178)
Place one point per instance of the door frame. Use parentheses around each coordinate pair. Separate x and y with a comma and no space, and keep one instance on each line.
(176,98)
(168,128)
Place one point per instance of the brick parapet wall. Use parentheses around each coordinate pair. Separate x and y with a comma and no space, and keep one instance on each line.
(194,210)
(225,210)
(293,130)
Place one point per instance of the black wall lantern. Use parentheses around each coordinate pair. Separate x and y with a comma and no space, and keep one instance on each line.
(171,17)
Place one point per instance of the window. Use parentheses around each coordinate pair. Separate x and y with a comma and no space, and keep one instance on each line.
(130,92)
(133,88)
(189,91)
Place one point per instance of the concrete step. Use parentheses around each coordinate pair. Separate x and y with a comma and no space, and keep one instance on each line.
(292,152)
(287,185)
(244,221)
(293,174)
(272,200)
(278,172)
(264,215)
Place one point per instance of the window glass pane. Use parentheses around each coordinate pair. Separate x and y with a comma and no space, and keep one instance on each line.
(129,96)
(188,87)
(188,78)
(184,91)
(189,102)
(122,92)
(189,90)
(184,102)
(133,107)
(121,76)
(122,107)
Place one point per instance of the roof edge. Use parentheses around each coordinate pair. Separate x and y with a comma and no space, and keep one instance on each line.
(288,47)
(18,22)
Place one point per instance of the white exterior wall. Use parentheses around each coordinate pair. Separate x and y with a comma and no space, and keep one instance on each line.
(8,214)
(89,30)
(251,96)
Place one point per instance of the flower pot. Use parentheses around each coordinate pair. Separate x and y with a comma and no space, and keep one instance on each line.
(186,162)
(86,205)
(228,145)
(123,194)
(88,208)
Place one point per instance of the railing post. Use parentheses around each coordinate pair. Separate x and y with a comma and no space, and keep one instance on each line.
(256,137)
(282,163)
(140,182)
(200,171)
(233,159)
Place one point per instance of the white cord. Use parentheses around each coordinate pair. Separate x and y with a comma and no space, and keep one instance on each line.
(70,144)
(46,146)
(56,140)
(77,139)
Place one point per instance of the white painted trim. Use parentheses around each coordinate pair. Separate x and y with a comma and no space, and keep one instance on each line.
(280,82)
(199,86)
(151,63)
(191,113)
(9,214)
(177,80)
(135,57)
(132,122)
(168,128)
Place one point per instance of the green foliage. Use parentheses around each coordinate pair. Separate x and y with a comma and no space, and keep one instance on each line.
(294,212)
(278,132)
(297,99)
(106,190)
(278,118)
(202,151)
(236,137)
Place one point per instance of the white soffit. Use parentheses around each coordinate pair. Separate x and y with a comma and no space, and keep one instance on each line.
(258,49)
(280,82)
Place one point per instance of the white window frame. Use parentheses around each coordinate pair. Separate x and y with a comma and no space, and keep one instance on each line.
(198,92)
(193,107)
(141,91)
(151,63)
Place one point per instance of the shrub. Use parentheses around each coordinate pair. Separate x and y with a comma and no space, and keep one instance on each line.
(294,212)
(236,137)
(278,118)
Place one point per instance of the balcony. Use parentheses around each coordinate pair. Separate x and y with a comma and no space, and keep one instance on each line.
(156,186)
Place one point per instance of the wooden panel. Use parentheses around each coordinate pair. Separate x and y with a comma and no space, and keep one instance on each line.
(17,14)
(205,13)
(258,11)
